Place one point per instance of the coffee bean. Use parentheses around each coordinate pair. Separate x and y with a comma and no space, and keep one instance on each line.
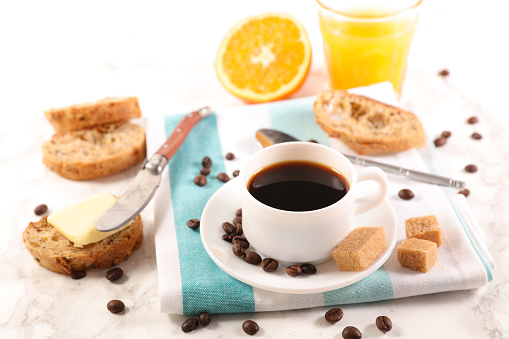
(205,171)
(443,73)
(465,192)
(334,315)
(223,177)
(204,319)
(41,209)
(78,274)
(206,162)
(236,173)
(114,274)
(293,270)
(193,223)
(238,228)
(252,258)
(115,306)
(446,134)
(200,180)
(406,194)
(439,142)
(250,327)
(189,325)
(269,264)
(472,120)
(237,220)
(476,136)
(383,323)
(313,141)
(228,227)
(230,156)
(228,237)
(239,239)
(238,212)
(351,332)
(308,268)
(471,168)
(238,250)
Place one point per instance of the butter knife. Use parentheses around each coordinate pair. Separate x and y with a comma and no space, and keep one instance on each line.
(143,187)
(267,137)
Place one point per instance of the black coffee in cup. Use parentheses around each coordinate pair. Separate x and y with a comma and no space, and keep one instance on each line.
(298,186)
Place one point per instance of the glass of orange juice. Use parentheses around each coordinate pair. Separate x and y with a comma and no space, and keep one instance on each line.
(367,41)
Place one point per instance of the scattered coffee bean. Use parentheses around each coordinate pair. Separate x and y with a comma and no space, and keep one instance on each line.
(308,268)
(205,171)
(443,73)
(383,323)
(189,325)
(465,192)
(204,319)
(238,228)
(406,194)
(194,223)
(250,327)
(471,168)
(293,270)
(236,173)
(223,177)
(446,134)
(41,209)
(239,239)
(476,136)
(351,332)
(238,250)
(228,237)
(313,141)
(237,220)
(115,306)
(230,156)
(200,180)
(114,274)
(228,227)
(206,162)
(78,274)
(252,258)
(238,212)
(269,264)
(439,142)
(334,315)
(472,120)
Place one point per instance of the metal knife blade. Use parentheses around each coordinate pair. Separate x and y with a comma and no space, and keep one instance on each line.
(267,137)
(141,190)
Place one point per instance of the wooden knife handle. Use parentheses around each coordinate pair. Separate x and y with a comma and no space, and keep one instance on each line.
(179,134)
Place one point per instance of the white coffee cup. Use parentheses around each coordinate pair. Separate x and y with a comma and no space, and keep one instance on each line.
(309,236)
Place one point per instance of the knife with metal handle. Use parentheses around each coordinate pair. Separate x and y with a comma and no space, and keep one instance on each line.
(268,137)
(141,190)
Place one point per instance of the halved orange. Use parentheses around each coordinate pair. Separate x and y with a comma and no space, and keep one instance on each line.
(264,57)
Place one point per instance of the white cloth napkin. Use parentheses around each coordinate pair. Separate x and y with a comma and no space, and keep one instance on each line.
(190,282)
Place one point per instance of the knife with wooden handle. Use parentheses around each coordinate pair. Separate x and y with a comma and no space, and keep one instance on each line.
(141,190)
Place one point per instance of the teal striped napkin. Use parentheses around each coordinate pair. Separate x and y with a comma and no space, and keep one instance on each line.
(190,282)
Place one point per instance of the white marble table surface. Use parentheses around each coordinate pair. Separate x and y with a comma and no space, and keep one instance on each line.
(56,53)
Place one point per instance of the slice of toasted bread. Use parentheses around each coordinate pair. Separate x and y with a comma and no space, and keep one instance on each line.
(88,115)
(56,253)
(95,152)
(365,125)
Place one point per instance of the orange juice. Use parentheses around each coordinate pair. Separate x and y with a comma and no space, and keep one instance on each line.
(366,46)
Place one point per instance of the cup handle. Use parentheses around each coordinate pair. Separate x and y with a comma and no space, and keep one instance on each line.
(371,201)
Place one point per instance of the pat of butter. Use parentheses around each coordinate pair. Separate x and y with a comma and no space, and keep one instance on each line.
(76,222)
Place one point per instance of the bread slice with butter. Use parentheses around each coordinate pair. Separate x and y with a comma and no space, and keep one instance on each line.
(66,241)
(367,126)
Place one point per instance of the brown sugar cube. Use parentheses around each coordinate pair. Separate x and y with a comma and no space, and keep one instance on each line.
(417,254)
(358,250)
(426,228)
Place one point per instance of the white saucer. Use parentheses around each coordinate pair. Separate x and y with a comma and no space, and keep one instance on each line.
(222,206)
